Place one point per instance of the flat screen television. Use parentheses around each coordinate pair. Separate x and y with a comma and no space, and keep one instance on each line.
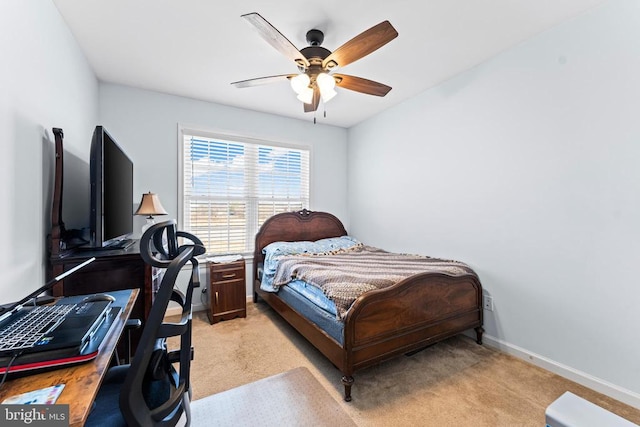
(111,208)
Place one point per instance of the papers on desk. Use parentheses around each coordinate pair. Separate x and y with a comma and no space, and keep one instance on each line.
(44,396)
(224,258)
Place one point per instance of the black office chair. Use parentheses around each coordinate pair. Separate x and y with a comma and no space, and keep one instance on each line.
(150,391)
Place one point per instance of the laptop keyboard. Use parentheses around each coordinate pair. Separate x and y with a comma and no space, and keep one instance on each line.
(26,331)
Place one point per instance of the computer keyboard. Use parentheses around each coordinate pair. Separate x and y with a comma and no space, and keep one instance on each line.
(26,331)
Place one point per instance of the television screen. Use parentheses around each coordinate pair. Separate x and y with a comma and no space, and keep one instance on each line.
(111,192)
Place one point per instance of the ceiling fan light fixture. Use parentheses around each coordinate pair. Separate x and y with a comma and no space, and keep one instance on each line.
(306,95)
(326,84)
(300,83)
(327,95)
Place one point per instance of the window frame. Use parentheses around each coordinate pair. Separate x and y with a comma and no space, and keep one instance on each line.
(184,129)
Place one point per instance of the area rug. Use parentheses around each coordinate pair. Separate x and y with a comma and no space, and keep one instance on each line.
(293,398)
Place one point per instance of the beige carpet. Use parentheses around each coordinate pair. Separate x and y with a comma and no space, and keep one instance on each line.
(453,383)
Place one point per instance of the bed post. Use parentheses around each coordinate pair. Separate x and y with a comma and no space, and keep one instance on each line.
(347,381)
(479,331)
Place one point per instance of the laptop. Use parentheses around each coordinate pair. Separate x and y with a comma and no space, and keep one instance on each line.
(34,337)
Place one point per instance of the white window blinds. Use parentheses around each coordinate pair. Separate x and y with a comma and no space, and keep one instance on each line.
(230,187)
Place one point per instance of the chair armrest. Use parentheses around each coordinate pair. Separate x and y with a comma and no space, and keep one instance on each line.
(132,324)
(174,355)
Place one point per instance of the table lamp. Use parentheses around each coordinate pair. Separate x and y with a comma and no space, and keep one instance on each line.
(149,206)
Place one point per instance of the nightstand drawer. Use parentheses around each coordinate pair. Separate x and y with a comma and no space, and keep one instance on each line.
(222,275)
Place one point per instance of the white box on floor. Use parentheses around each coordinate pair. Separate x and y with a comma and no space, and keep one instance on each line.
(570,410)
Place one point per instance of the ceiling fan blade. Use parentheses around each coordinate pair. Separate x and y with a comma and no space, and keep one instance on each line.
(275,38)
(359,84)
(361,45)
(262,80)
(308,108)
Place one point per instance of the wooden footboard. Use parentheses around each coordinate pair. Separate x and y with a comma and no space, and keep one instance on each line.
(413,314)
(418,311)
(410,307)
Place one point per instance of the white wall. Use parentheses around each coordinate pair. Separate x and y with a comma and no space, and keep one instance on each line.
(45,82)
(527,168)
(145,124)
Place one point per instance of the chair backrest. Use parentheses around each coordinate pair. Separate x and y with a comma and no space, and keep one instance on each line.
(154,393)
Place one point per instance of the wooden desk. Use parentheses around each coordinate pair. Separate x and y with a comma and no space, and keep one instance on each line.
(81,381)
(113,269)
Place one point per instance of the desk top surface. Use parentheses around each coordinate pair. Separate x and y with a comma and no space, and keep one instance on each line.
(79,254)
(81,381)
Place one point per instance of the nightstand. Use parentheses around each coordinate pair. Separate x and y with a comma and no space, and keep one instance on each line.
(227,292)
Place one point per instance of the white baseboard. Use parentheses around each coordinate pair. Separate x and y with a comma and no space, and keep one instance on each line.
(175,311)
(621,394)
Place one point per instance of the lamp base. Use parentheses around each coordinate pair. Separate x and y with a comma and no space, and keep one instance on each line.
(149,223)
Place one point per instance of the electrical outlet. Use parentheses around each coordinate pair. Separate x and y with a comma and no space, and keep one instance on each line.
(487,302)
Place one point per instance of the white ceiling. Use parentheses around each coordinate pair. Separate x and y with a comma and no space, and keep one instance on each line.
(196,48)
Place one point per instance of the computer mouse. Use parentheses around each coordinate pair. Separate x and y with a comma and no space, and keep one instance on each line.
(98,297)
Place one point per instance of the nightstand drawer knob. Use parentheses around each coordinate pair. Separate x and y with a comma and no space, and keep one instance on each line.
(229,276)
(216,298)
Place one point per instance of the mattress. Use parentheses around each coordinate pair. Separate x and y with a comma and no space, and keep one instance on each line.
(310,302)
(324,320)
(312,293)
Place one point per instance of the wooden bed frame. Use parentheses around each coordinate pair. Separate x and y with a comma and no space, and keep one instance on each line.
(412,314)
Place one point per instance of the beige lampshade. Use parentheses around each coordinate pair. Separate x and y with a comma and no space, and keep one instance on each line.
(150,205)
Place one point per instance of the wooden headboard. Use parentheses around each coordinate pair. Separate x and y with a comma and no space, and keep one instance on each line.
(293,227)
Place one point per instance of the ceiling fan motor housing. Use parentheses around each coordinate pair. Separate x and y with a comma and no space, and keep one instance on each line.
(315,54)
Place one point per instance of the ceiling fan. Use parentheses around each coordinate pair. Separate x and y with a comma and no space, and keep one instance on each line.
(315,63)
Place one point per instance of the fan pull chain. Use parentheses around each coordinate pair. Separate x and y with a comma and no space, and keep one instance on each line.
(324,114)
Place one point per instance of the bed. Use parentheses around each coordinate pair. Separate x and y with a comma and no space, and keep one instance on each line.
(413,313)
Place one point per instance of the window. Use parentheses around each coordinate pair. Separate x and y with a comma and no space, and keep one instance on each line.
(231,185)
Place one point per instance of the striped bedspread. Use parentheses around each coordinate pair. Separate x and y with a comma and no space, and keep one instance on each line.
(346,274)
